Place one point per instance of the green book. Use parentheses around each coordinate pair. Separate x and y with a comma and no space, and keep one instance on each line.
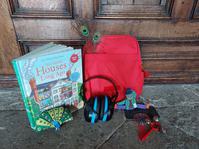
(50,78)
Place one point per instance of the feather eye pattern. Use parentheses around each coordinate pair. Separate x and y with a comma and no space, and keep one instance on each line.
(96,37)
(53,118)
(86,29)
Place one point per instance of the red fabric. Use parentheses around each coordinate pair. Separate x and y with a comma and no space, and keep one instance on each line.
(118,58)
(145,130)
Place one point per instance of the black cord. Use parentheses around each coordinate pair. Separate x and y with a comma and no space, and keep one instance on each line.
(98,77)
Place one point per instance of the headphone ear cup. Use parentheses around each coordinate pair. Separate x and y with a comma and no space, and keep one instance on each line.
(96,110)
(102,104)
(91,110)
(106,109)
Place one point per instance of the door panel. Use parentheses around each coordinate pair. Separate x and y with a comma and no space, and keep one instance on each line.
(36,29)
(171,61)
(159,9)
(41,8)
(167,30)
(182,9)
(150,29)
(43,5)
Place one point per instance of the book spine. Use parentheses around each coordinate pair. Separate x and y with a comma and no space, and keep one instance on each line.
(27,107)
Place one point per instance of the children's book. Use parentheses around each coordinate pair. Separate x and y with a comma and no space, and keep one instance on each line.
(50,78)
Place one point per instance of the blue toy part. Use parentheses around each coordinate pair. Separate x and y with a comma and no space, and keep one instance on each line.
(105,109)
(93,117)
(141,106)
(74,76)
(121,107)
(121,103)
(56,125)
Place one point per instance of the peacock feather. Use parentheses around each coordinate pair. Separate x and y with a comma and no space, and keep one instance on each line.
(86,29)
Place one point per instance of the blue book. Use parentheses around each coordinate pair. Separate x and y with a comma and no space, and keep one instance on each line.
(50,78)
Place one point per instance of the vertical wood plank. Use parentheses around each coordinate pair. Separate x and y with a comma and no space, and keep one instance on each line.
(83,9)
(8,44)
(182,10)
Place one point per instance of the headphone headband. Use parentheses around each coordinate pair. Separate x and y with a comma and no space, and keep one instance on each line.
(99,77)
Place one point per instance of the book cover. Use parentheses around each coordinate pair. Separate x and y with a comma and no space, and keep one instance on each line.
(48,82)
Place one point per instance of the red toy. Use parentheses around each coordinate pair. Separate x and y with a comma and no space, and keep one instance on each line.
(144,130)
(148,120)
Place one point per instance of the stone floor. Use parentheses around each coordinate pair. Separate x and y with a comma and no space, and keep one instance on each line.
(178,106)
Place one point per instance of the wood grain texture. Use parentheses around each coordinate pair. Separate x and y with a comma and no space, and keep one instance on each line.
(8,45)
(173,65)
(61,29)
(150,29)
(44,29)
(169,47)
(8,81)
(83,9)
(179,77)
(182,10)
(171,61)
(170,50)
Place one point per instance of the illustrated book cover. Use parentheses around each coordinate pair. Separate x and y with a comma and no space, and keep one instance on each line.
(50,78)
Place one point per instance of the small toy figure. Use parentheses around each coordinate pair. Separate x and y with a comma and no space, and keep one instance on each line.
(130,100)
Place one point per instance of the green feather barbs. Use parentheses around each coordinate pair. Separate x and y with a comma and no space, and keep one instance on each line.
(84,30)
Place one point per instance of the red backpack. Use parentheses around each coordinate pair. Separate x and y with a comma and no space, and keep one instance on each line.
(118,58)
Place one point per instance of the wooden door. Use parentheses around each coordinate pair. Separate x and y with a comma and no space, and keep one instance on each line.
(168,31)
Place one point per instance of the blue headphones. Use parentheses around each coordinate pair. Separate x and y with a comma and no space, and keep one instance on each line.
(99,107)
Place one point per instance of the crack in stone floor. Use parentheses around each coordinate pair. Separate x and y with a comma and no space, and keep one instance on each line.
(110,135)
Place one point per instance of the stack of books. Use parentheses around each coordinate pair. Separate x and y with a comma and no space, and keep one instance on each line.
(50,78)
